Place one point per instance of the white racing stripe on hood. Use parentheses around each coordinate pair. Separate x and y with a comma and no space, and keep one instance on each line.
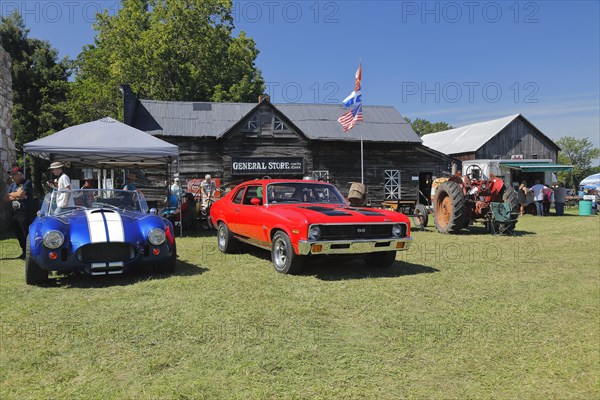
(100,223)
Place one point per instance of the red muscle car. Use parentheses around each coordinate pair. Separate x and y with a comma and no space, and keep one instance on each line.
(299,218)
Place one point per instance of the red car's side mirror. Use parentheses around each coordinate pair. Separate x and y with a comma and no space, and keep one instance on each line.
(255,201)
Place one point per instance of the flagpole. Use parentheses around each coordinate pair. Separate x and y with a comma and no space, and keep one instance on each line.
(362,174)
(362,166)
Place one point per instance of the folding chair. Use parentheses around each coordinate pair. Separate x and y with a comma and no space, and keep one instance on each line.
(502,220)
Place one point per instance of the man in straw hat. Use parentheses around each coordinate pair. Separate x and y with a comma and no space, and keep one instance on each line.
(20,195)
(64,183)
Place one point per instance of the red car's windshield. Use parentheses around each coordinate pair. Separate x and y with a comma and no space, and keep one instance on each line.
(300,192)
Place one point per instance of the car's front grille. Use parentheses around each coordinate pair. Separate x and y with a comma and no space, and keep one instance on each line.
(106,253)
(358,231)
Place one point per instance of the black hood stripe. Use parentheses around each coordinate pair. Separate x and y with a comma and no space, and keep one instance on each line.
(328,211)
(365,211)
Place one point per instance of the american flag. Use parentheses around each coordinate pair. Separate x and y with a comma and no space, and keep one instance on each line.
(349,119)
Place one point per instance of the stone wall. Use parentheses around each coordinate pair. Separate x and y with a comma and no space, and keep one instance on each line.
(7,146)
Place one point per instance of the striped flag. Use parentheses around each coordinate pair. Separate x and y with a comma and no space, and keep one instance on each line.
(358,78)
(350,118)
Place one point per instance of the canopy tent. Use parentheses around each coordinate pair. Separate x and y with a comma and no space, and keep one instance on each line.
(591,181)
(105,143)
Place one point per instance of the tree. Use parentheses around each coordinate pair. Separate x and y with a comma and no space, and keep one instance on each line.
(423,127)
(180,50)
(39,82)
(580,153)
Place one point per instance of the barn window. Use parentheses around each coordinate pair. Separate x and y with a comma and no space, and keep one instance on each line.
(322,175)
(253,124)
(391,184)
(280,126)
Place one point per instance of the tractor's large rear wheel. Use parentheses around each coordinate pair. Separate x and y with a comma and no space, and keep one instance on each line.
(450,214)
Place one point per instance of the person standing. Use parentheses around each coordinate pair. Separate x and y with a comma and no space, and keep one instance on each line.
(20,195)
(131,179)
(63,199)
(208,187)
(522,196)
(560,196)
(538,197)
(548,193)
(176,188)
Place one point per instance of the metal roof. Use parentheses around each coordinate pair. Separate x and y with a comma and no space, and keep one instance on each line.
(315,121)
(537,167)
(182,118)
(467,138)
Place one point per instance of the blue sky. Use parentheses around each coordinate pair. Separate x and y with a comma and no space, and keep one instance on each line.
(459,62)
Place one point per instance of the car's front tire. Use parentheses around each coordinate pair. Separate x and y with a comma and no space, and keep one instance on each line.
(383,259)
(284,259)
(34,274)
(225,240)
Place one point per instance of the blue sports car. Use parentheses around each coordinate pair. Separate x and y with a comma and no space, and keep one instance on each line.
(97,232)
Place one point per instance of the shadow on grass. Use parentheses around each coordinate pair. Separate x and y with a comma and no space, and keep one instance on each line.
(342,268)
(142,274)
(337,268)
(480,230)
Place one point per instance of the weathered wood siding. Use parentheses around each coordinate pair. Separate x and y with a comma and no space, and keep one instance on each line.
(342,160)
(519,137)
(257,137)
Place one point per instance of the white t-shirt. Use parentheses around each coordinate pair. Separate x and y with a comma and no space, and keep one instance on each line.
(64,199)
(538,192)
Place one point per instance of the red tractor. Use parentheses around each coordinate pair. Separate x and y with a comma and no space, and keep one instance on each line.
(458,201)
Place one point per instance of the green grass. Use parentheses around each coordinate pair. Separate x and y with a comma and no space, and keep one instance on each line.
(465,316)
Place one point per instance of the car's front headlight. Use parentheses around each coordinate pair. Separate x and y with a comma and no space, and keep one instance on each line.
(314,233)
(397,230)
(53,239)
(157,236)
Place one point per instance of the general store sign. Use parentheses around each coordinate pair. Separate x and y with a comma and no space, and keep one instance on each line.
(267,166)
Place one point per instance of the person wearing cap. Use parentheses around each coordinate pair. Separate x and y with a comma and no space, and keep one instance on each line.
(208,187)
(63,199)
(20,195)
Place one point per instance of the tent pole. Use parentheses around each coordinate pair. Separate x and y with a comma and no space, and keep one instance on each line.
(179,201)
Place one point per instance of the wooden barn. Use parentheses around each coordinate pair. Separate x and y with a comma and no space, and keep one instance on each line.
(504,138)
(241,141)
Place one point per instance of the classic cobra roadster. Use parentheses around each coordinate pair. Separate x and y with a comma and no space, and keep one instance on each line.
(299,218)
(97,232)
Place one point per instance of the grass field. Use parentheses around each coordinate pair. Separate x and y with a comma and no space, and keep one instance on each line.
(466,316)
